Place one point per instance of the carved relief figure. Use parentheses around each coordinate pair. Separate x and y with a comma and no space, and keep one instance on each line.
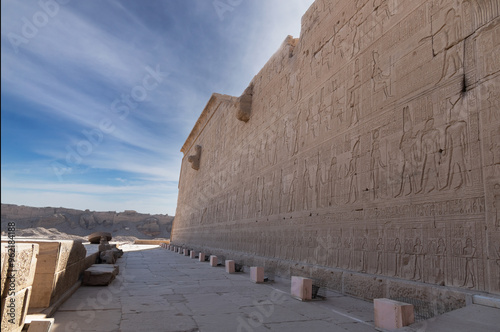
(440,261)
(397,262)
(332,178)
(307,187)
(352,174)
(451,34)
(381,8)
(381,80)
(291,195)
(364,254)
(496,205)
(419,258)
(455,150)
(320,182)
(409,151)
(430,152)
(353,96)
(376,165)
(469,251)
(494,105)
(380,249)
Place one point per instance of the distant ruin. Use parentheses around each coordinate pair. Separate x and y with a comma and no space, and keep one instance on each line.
(365,154)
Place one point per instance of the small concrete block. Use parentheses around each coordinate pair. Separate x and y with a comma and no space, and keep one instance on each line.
(41,325)
(301,288)
(213,261)
(391,315)
(186,252)
(230,267)
(257,274)
(192,254)
(202,257)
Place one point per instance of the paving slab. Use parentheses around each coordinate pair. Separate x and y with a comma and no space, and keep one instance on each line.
(171,292)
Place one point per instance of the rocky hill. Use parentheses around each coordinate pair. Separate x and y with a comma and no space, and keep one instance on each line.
(53,222)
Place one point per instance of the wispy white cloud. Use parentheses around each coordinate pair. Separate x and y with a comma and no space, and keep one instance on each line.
(65,79)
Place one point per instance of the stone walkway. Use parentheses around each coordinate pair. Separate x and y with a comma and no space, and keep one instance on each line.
(159,290)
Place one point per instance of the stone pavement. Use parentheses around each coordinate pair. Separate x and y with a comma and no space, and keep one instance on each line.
(159,290)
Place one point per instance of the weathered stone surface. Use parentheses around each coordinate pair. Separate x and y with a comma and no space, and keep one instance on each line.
(371,152)
(19,264)
(100,274)
(58,268)
(15,309)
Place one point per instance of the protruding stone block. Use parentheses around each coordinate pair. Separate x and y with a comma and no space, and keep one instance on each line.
(391,315)
(213,261)
(181,251)
(202,257)
(100,274)
(192,254)
(41,325)
(301,288)
(257,274)
(186,252)
(230,267)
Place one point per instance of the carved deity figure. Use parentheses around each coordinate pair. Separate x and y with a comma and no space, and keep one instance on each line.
(430,153)
(397,262)
(332,178)
(419,258)
(292,193)
(306,187)
(352,174)
(409,150)
(451,33)
(469,251)
(440,261)
(456,149)
(353,96)
(320,182)
(381,80)
(364,254)
(376,165)
(380,249)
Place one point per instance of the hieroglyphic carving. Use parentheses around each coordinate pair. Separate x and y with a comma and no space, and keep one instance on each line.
(355,158)
(352,174)
(430,145)
(353,96)
(377,165)
(381,79)
(456,151)
(408,149)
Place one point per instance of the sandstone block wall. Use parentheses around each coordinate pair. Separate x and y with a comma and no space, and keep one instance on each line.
(58,268)
(369,155)
(18,271)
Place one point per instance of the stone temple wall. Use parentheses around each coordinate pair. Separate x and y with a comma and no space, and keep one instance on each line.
(365,154)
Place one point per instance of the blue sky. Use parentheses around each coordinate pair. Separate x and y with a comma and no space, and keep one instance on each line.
(99,96)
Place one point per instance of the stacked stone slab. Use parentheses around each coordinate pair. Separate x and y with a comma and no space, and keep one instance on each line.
(60,264)
(18,273)
(368,156)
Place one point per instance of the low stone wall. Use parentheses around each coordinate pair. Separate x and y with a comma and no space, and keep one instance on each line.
(60,264)
(18,273)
